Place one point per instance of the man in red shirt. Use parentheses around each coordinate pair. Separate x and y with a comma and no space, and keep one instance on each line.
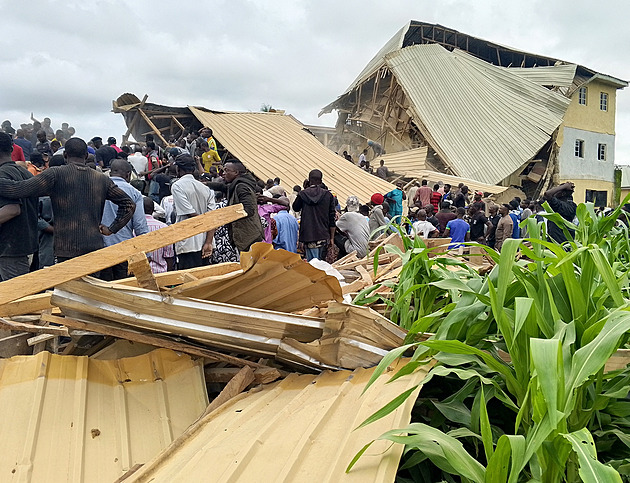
(17,154)
(436,198)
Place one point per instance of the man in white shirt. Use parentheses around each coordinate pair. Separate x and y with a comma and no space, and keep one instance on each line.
(191,198)
(139,161)
(422,227)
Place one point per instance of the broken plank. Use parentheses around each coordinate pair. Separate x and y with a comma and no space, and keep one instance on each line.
(38,329)
(141,269)
(237,385)
(38,339)
(26,305)
(151,340)
(48,277)
(178,277)
(262,375)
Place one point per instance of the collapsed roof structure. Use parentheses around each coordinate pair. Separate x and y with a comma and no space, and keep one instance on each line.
(270,144)
(484,111)
(184,349)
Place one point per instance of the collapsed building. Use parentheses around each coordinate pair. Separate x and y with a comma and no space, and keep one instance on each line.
(483,112)
(270,144)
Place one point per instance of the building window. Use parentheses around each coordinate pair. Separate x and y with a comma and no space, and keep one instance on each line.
(582,96)
(603,101)
(598,198)
(601,152)
(579,148)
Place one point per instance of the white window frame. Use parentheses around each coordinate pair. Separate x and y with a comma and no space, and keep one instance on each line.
(582,96)
(603,101)
(578,149)
(601,152)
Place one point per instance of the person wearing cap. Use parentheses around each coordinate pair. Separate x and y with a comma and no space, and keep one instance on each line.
(191,198)
(378,215)
(353,230)
(477,199)
(317,226)
(287,228)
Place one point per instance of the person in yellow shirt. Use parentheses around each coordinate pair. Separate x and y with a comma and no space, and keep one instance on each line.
(208,156)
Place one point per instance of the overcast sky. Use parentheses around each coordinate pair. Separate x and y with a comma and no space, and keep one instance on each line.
(69,59)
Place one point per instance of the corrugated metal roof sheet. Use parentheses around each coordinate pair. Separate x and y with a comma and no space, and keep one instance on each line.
(405,163)
(485,122)
(273,145)
(556,75)
(74,419)
(298,430)
(297,285)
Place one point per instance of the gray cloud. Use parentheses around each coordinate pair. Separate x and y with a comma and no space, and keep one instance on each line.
(69,59)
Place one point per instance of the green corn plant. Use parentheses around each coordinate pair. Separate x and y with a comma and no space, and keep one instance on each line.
(415,296)
(556,314)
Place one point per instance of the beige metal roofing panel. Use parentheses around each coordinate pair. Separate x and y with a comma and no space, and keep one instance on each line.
(298,430)
(555,75)
(74,419)
(405,162)
(273,145)
(229,327)
(412,163)
(484,121)
(270,279)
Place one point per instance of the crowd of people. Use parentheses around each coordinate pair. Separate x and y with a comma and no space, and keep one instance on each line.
(76,197)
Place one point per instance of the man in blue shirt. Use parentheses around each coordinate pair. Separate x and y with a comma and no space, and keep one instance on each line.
(25,144)
(515,214)
(458,229)
(120,174)
(395,199)
(288,228)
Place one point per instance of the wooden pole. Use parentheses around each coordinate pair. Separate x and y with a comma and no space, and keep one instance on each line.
(152,126)
(78,267)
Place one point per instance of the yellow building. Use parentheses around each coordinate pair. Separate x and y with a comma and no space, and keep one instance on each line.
(586,139)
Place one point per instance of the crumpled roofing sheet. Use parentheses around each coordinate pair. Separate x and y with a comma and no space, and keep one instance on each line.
(75,419)
(273,144)
(484,121)
(404,163)
(350,336)
(554,76)
(298,430)
(230,327)
(270,279)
